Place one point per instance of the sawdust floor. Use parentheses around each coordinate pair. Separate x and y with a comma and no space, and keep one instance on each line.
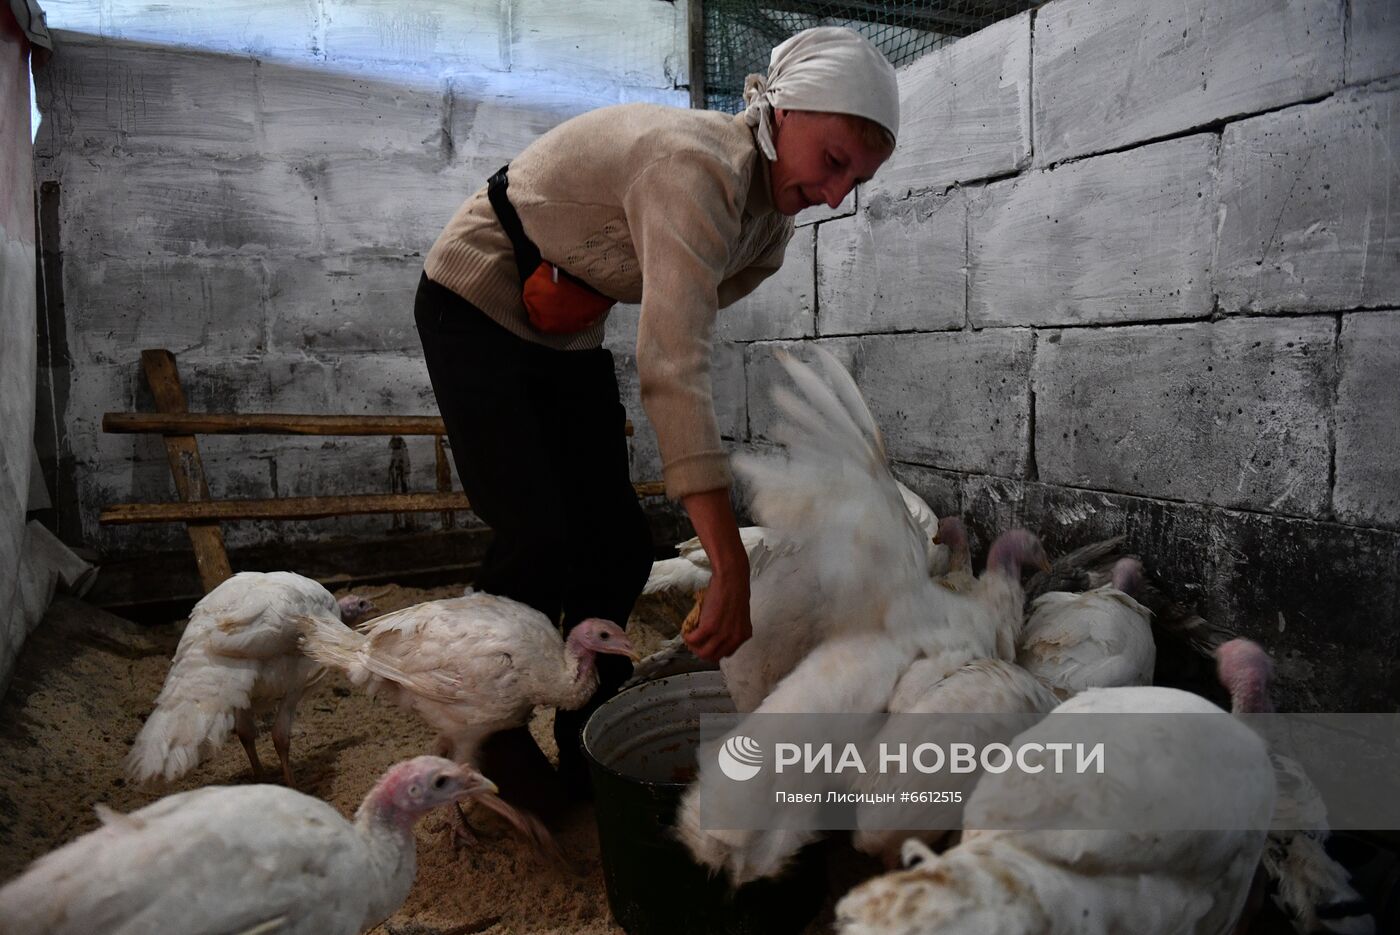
(86,680)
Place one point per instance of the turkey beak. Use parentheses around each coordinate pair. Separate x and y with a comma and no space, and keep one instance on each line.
(615,647)
(474,783)
(618,647)
(612,643)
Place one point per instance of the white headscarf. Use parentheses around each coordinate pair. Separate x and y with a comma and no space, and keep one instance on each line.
(829,69)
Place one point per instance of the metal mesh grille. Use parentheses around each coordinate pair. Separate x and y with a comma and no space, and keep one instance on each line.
(740,34)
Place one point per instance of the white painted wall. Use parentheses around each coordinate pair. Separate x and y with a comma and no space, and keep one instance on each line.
(253,184)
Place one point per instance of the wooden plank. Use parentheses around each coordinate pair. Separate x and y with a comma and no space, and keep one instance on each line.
(200,423)
(444,478)
(695,25)
(272,423)
(186,467)
(283,508)
(301,507)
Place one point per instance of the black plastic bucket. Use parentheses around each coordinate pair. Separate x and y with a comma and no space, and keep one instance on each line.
(641,747)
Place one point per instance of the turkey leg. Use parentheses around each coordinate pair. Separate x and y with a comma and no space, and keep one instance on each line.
(282,734)
(247,730)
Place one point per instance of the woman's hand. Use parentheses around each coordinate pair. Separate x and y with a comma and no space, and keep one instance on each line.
(724,618)
(724,614)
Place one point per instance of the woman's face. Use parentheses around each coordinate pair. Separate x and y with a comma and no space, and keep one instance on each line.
(821,157)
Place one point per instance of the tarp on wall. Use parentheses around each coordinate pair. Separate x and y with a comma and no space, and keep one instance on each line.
(17,329)
(32,23)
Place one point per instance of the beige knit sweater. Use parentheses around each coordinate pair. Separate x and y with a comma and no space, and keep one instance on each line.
(667,207)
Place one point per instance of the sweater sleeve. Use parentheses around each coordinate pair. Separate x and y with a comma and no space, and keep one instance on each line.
(683,212)
(752,276)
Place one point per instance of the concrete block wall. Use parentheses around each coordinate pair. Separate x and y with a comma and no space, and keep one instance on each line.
(253,184)
(1135,268)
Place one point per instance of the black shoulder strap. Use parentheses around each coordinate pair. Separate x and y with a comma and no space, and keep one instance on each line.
(527,255)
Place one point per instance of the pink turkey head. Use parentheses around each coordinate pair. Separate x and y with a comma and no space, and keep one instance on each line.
(414,787)
(596,635)
(354,608)
(1245,670)
(1128,576)
(1016,549)
(953,534)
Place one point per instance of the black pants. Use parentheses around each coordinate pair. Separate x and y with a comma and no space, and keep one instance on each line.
(537,437)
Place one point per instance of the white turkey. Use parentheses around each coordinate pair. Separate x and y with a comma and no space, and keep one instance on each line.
(690,570)
(1185,642)
(237,658)
(1021,870)
(835,498)
(1097,639)
(1312,889)
(469,665)
(786,604)
(983,687)
(995,587)
(994,686)
(793,615)
(952,535)
(225,859)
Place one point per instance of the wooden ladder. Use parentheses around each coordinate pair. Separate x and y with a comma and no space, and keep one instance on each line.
(202,514)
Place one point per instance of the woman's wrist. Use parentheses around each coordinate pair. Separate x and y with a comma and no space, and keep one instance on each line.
(713,518)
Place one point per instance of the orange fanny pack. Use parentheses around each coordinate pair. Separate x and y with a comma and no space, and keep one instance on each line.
(556,301)
(561,303)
